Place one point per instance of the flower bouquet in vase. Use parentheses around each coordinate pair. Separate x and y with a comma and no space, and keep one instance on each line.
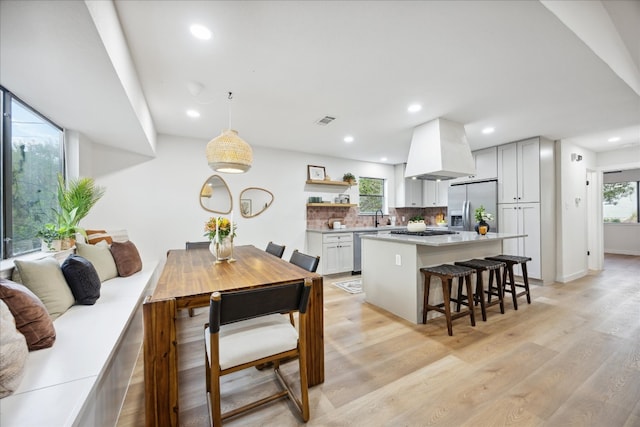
(221,232)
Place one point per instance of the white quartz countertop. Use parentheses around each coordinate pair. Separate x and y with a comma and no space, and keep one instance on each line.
(463,237)
(382,228)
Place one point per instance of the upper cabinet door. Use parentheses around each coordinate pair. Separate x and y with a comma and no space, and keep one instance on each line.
(529,170)
(486,163)
(519,172)
(507,173)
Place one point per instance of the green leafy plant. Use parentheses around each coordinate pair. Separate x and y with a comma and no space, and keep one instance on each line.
(348,177)
(416,218)
(76,199)
(482,215)
(48,233)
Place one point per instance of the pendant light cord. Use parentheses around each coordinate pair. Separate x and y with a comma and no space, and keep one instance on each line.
(230,98)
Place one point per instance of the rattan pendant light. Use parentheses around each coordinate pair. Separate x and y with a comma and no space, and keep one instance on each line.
(227,152)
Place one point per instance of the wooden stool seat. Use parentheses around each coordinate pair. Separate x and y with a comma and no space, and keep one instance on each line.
(512,260)
(446,273)
(493,267)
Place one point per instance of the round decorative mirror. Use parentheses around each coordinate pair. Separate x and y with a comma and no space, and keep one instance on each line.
(215,195)
(254,201)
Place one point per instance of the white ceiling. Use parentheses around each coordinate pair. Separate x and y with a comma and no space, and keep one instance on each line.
(510,65)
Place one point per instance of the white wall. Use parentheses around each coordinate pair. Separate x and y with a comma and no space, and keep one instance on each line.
(572,211)
(157,201)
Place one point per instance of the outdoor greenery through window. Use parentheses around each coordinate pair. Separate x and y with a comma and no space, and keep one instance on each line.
(32,158)
(371,195)
(620,202)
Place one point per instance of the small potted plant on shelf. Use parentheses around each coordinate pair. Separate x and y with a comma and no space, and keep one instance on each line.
(350,178)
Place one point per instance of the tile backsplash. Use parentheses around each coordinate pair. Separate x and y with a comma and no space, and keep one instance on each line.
(318,217)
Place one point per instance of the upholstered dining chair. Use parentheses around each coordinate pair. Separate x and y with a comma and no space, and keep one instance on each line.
(246,329)
(308,262)
(196,245)
(275,249)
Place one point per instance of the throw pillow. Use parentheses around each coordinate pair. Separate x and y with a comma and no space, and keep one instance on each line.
(126,257)
(44,278)
(13,353)
(82,278)
(31,316)
(100,256)
(95,236)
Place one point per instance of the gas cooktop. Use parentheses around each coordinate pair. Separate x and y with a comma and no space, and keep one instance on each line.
(424,233)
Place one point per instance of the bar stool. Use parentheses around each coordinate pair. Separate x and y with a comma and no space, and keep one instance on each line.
(512,260)
(493,267)
(446,273)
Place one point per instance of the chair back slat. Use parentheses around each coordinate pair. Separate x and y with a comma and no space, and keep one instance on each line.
(274,249)
(308,262)
(196,245)
(229,307)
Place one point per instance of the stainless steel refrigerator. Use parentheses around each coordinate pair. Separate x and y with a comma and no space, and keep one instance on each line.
(465,198)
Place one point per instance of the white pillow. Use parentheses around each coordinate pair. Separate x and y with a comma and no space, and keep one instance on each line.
(100,256)
(44,278)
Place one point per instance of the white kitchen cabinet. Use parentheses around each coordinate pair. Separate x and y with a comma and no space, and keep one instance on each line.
(519,172)
(486,163)
(408,191)
(335,251)
(435,193)
(522,218)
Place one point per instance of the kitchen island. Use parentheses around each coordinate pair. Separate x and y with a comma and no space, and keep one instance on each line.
(391,265)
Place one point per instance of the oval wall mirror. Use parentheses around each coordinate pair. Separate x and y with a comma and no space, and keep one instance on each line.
(215,195)
(254,201)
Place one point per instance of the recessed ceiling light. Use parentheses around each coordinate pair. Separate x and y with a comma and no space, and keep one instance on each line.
(200,32)
(488,130)
(193,114)
(414,108)
(348,138)
(383,159)
(614,139)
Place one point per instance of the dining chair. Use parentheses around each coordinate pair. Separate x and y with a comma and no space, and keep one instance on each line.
(246,330)
(196,245)
(275,249)
(308,262)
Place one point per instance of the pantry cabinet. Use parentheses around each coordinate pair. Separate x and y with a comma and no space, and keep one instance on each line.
(523,218)
(519,172)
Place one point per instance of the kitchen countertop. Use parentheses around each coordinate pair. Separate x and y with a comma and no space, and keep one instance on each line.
(462,237)
(381,228)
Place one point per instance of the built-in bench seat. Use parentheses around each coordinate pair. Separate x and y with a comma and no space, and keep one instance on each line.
(82,379)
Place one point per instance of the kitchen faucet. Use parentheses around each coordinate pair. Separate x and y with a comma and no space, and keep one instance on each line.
(381,215)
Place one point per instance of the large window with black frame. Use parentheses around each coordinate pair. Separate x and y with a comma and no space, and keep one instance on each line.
(32,158)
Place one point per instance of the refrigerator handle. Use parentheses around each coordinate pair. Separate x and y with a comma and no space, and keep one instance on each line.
(465,215)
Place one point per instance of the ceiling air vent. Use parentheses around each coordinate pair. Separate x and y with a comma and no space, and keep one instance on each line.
(325,120)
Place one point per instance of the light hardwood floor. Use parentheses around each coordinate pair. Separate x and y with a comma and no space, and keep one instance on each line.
(572,357)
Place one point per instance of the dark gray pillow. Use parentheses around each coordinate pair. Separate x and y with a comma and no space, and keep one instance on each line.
(82,278)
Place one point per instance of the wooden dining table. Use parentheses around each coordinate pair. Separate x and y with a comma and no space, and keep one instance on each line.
(188,279)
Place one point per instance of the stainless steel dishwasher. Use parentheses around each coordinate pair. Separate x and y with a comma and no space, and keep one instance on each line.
(357,250)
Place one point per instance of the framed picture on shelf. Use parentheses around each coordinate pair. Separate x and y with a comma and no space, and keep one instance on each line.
(245,207)
(315,173)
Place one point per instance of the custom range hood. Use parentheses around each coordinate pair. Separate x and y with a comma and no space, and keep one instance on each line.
(439,150)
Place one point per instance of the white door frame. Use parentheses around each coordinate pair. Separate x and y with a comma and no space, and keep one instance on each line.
(595,226)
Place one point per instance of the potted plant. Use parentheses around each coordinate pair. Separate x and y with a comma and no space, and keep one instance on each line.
(349,177)
(482,216)
(50,238)
(76,199)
